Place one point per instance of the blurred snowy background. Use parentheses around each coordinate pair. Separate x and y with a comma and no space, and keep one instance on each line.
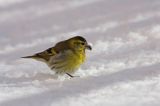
(122,70)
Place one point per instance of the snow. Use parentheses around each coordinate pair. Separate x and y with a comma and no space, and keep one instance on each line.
(121,70)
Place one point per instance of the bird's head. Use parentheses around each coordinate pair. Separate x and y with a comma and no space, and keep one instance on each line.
(79,43)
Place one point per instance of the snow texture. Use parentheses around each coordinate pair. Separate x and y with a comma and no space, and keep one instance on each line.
(122,69)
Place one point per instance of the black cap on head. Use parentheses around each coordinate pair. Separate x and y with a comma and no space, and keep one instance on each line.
(80,38)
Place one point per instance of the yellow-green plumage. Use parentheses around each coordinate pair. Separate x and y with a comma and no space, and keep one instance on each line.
(66,56)
(66,62)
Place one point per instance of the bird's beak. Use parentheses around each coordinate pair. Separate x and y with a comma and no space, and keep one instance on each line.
(88,47)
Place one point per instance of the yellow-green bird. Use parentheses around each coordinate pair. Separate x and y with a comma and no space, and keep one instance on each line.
(66,56)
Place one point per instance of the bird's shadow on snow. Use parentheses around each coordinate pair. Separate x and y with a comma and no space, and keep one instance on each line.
(77,86)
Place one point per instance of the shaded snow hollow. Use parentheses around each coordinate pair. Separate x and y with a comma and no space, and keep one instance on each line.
(122,69)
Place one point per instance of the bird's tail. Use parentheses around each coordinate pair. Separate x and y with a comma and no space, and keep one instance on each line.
(29,56)
(36,57)
(32,57)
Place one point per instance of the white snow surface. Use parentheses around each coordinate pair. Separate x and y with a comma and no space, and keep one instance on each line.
(123,69)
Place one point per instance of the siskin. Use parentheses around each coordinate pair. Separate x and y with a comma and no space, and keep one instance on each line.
(65,57)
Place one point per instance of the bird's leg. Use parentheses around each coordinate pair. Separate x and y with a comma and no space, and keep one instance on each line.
(71,75)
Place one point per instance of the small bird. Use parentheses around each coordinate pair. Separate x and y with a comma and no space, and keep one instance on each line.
(66,56)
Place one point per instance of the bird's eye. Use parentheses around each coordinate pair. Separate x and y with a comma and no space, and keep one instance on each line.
(82,43)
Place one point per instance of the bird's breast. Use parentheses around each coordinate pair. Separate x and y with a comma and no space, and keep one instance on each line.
(67,61)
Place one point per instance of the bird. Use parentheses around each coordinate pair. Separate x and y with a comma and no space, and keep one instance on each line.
(65,57)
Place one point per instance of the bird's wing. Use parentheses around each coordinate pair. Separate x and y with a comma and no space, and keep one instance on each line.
(47,53)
